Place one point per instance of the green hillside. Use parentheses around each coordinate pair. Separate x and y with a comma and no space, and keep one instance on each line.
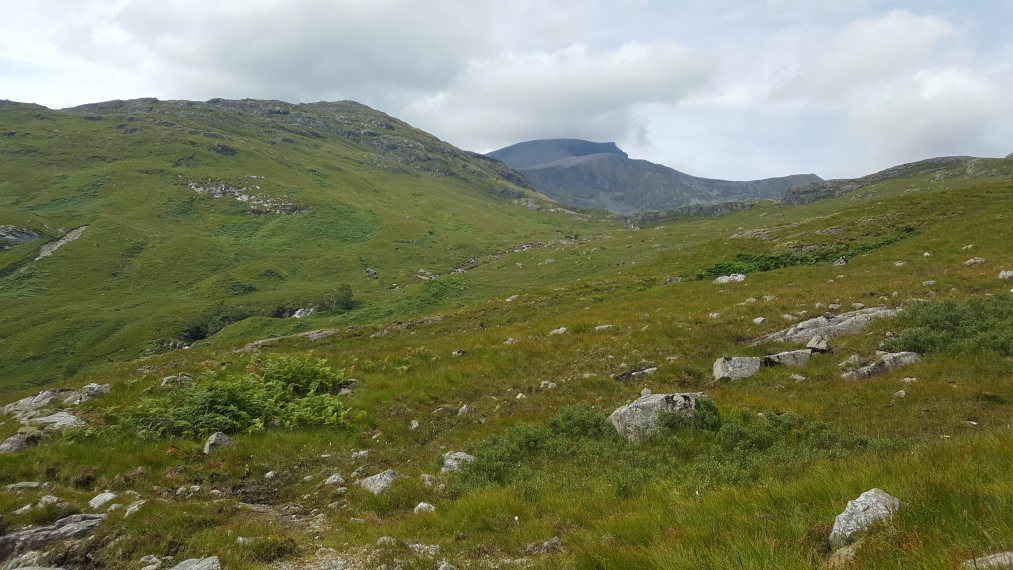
(200,214)
(477,361)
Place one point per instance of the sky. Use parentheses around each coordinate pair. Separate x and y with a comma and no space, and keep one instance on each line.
(733,89)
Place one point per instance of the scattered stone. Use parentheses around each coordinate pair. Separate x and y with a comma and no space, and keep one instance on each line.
(101,499)
(446,566)
(177,380)
(464,410)
(908,380)
(835,306)
(380,482)
(414,425)
(768,298)
(134,507)
(627,376)
(886,363)
(602,327)
(510,340)
(733,278)
(550,546)
(357,520)
(1006,275)
(640,419)
(797,377)
(424,508)
(975,261)
(841,261)
(736,367)
(789,317)
(74,526)
(452,460)
(560,330)
(1000,560)
(270,475)
(217,441)
(759,321)
(459,353)
(871,506)
(900,394)
(307,478)
(789,358)
(715,315)
(546,385)
(25,486)
(362,455)
(819,343)
(967,247)
(335,479)
(521,396)
(210,563)
(898,263)
(424,550)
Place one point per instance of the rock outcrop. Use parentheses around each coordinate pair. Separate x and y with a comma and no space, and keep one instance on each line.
(736,367)
(74,526)
(217,441)
(640,419)
(380,482)
(830,327)
(452,460)
(999,560)
(885,363)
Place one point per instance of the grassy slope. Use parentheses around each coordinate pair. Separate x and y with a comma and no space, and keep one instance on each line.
(157,257)
(667,503)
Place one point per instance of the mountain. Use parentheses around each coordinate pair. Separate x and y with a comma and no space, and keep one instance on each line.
(600,175)
(133,227)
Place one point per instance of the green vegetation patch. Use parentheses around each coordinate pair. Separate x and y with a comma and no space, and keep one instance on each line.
(757,262)
(288,391)
(958,327)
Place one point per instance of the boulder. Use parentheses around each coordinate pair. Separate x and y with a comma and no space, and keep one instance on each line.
(789,358)
(975,261)
(550,546)
(452,460)
(736,367)
(641,418)
(759,320)
(1000,560)
(1006,275)
(210,563)
(101,500)
(40,400)
(886,363)
(424,508)
(86,393)
(871,506)
(217,441)
(21,441)
(560,330)
(335,479)
(74,526)
(733,278)
(57,421)
(380,482)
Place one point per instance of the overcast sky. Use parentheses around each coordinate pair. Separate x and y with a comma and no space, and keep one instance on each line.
(735,89)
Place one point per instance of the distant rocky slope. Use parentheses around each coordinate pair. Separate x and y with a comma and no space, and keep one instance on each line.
(600,175)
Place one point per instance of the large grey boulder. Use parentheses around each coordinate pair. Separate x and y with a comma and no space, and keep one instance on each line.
(886,363)
(830,327)
(380,482)
(210,563)
(74,526)
(217,441)
(870,507)
(57,421)
(736,367)
(21,441)
(1000,560)
(640,419)
(87,392)
(789,358)
(452,460)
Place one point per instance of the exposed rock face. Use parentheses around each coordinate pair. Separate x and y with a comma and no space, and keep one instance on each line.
(21,441)
(380,482)
(736,367)
(790,358)
(830,327)
(1000,560)
(886,363)
(452,460)
(10,235)
(86,393)
(40,400)
(871,506)
(639,419)
(50,248)
(57,421)
(217,441)
(74,526)
(600,175)
(210,563)
(819,343)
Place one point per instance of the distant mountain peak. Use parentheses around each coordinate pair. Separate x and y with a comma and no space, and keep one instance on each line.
(544,152)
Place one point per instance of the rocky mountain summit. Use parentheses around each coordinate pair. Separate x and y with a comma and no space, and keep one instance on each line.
(600,175)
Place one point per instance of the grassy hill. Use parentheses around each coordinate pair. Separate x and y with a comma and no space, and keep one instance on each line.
(756,485)
(202,214)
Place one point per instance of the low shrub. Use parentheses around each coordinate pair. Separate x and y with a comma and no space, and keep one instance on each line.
(957,327)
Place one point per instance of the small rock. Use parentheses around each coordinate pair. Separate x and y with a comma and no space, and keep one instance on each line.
(424,508)
(356,520)
(909,380)
(871,506)
(789,358)
(307,478)
(929,283)
(975,261)
(386,541)
(464,410)
(736,367)
(360,455)
(380,482)
(101,500)
(900,394)
(841,261)
(244,540)
(270,475)
(217,441)
(733,278)
(560,330)
(459,353)
(789,318)
(335,479)
(446,566)
(414,425)
(858,306)
(550,546)
(797,377)
(510,340)
(835,306)
(520,396)
(546,385)
(602,327)
(769,298)
(1006,275)
(134,507)
(211,563)
(899,263)
(715,315)
(452,460)
(819,343)
(759,321)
